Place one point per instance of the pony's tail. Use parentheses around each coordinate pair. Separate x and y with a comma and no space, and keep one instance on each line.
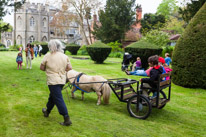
(106,93)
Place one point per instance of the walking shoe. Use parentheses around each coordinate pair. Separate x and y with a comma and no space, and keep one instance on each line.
(154,95)
(67,121)
(45,112)
(127,72)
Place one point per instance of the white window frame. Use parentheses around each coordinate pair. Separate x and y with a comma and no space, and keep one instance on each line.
(31,39)
(32,21)
(19,40)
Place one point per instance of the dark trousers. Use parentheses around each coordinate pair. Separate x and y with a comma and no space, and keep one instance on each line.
(55,98)
(39,53)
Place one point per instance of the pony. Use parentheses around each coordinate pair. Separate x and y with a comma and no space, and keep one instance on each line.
(98,84)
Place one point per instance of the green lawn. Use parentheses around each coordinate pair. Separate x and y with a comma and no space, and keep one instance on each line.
(23,93)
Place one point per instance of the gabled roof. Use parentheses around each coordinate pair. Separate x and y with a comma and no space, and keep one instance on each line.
(175,37)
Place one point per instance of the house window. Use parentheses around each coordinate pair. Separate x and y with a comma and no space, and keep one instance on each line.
(19,20)
(44,22)
(32,22)
(19,40)
(8,43)
(31,39)
(44,39)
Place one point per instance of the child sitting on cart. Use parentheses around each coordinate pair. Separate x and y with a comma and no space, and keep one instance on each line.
(154,73)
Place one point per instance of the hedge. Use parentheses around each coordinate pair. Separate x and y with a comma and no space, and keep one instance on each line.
(4,49)
(189,54)
(2,45)
(98,51)
(143,50)
(72,48)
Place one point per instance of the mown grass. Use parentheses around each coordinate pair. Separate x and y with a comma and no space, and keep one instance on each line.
(23,93)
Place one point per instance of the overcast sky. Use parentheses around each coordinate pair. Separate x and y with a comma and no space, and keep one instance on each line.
(148,6)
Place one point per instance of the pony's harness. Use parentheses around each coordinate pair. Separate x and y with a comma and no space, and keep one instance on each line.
(76,84)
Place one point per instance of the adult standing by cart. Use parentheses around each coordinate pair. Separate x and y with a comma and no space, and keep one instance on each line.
(56,63)
(29,55)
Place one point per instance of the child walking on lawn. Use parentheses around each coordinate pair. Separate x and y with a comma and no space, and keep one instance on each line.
(19,60)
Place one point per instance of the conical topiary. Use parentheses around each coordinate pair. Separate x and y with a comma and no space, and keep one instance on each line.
(73,48)
(98,51)
(143,50)
(189,56)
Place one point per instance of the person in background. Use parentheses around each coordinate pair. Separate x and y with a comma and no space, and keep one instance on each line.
(56,64)
(126,61)
(20,49)
(40,49)
(35,50)
(168,60)
(19,60)
(29,55)
(167,69)
(138,64)
(161,61)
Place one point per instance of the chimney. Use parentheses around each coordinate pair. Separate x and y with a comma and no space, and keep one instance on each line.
(139,13)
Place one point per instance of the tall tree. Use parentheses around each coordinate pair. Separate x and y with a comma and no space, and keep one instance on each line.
(4,9)
(191,9)
(61,21)
(175,25)
(167,8)
(82,10)
(151,21)
(115,19)
(3,27)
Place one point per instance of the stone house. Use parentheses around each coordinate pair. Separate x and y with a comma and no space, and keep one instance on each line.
(34,22)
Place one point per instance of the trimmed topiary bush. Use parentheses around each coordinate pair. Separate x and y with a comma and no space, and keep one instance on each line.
(98,51)
(143,50)
(82,50)
(72,48)
(2,45)
(45,48)
(190,53)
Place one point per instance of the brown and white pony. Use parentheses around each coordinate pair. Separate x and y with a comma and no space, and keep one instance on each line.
(100,87)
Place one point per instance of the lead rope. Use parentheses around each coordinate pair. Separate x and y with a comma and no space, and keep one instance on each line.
(69,85)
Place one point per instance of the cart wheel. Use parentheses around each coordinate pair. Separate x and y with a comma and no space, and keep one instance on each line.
(139,110)
(162,96)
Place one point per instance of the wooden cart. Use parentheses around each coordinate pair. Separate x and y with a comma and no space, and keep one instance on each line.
(139,105)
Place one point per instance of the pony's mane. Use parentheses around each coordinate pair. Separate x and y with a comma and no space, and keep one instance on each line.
(72,73)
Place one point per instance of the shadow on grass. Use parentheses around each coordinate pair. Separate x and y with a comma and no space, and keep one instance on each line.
(162,113)
(90,99)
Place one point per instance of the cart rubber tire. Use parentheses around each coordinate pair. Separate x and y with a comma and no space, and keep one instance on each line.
(144,106)
(162,94)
